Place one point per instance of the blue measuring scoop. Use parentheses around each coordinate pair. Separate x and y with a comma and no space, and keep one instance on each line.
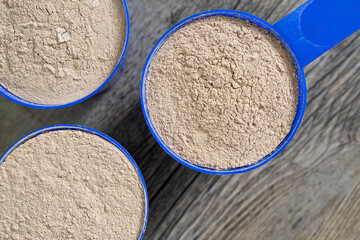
(307,33)
(111,80)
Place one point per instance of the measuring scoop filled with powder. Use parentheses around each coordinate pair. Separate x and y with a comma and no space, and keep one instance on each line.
(55,54)
(71,182)
(224,92)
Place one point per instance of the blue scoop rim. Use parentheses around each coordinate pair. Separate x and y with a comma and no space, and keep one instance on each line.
(9,95)
(97,133)
(301,88)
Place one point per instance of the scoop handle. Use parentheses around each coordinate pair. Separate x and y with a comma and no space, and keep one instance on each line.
(317,26)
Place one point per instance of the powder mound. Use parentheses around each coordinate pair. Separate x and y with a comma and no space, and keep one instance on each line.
(56,52)
(69,184)
(222,93)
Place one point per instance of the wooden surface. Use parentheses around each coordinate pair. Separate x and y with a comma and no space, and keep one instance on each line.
(311,191)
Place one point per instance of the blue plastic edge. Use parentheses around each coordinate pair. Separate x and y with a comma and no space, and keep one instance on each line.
(92,131)
(301,85)
(6,93)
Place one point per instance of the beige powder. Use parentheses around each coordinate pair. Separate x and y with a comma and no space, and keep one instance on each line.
(69,184)
(222,93)
(56,52)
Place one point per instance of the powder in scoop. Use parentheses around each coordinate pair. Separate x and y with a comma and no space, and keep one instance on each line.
(222,93)
(70,184)
(56,52)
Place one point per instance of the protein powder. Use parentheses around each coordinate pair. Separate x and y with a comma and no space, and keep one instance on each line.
(70,184)
(56,52)
(221,92)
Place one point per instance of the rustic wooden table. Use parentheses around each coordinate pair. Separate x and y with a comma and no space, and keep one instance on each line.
(311,191)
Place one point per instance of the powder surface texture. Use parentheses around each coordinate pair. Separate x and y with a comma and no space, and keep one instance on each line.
(56,52)
(222,93)
(70,185)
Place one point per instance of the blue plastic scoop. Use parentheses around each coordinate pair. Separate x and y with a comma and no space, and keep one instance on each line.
(111,80)
(317,26)
(307,33)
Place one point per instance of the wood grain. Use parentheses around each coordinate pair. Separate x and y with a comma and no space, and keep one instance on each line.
(311,191)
